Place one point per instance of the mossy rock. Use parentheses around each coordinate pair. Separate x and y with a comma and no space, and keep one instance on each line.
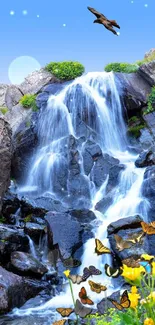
(29,101)
(135,130)
(3,110)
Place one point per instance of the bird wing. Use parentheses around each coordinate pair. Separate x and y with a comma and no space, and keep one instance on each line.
(96,13)
(114,23)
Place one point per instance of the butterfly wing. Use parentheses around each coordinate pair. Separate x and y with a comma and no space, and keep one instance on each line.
(60,322)
(100,248)
(121,244)
(94,271)
(114,273)
(147,266)
(125,302)
(64,312)
(84,298)
(86,274)
(116,304)
(75,278)
(81,310)
(71,262)
(97,287)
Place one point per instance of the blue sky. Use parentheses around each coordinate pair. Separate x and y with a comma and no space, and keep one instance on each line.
(46,39)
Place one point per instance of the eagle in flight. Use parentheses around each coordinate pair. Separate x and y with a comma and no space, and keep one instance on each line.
(101,19)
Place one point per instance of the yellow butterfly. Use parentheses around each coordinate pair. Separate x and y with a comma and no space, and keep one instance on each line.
(148,228)
(65,312)
(121,244)
(100,248)
(97,287)
(124,301)
(136,238)
(60,322)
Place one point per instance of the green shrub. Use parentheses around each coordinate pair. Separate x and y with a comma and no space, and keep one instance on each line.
(133,119)
(151,102)
(3,110)
(121,67)
(135,130)
(29,101)
(2,219)
(66,70)
(28,218)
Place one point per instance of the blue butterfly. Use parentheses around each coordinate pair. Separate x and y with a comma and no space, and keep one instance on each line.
(147,265)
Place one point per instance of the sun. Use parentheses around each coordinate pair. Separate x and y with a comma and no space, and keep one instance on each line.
(21,67)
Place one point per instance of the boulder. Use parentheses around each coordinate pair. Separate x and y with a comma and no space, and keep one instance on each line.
(11,239)
(135,90)
(146,139)
(34,230)
(24,263)
(12,96)
(104,204)
(125,228)
(17,115)
(146,158)
(150,122)
(15,290)
(148,191)
(147,72)
(149,53)
(5,157)
(36,81)
(3,90)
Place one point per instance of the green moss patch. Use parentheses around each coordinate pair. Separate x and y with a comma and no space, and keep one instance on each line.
(3,110)
(151,102)
(29,101)
(66,70)
(121,67)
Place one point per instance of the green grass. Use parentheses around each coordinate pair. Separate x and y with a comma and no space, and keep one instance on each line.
(133,119)
(66,70)
(29,101)
(3,110)
(28,218)
(121,67)
(135,130)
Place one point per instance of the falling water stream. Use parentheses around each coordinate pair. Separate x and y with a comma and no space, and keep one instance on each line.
(99,94)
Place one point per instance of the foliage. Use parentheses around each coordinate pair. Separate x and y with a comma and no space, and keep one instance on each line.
(28,124)
(151,102)
(2,219)
(29,101)
(3,110)
(66,70)
(133,119)
(28,218)
(135,130)
(121,67)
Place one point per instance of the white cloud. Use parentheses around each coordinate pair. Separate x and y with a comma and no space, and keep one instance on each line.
(146,5)
(12,12)
(64,25)
(38,16)
(24,12)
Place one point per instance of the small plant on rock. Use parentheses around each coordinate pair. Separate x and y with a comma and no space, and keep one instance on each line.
(121,67)
(66,70)
(29,101)
(151,102)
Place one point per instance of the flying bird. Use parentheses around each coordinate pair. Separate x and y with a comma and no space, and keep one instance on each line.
(101,19)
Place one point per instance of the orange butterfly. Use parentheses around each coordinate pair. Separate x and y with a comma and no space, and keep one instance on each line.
(60,322)
(124,301)
(84,298)
(65,312)
(149,228)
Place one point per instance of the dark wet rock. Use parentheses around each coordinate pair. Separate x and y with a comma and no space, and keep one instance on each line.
(11,204)
(150,122)
(88,162)
(66,231)
(125,228)
(148,191)
(114,174)
(135,91)
(34,230)
(15,290)
(83,216)
(146,158)
(42,99)
(25,141)
(11,239)
(16,116)
(12,96)
(146,139)
(147,72)
(91,151)
(104,204)
(24,263)
(5,157)
(105,304)
(54,88)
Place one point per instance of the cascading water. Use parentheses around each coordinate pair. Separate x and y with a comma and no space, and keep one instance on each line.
(93,99)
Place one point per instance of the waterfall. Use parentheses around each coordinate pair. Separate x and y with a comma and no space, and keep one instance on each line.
(95,100)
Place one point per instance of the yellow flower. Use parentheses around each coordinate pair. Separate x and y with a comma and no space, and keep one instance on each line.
(147,257)
(151,296)
(132,273)
(149,321)
(67,273)
(153,268)
(133,297)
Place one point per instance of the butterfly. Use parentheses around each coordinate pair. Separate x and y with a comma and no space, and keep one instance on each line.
(136,238)
(97,287)
(60,322)
(147,265)
(88,271)
(121,244)
(148,228)
(65,312)
(100,248)
(84,298)
(76,278)
(131,262)
(71,262)
(112,272)
(124,301)
(81,310)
